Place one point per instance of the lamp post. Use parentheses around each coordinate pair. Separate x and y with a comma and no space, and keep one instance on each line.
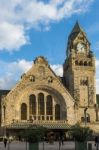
(85,110)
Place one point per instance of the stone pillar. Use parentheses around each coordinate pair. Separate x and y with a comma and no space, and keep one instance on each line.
(28,109)
(53,108)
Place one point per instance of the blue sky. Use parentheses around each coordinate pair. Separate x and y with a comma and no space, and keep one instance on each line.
(29,28)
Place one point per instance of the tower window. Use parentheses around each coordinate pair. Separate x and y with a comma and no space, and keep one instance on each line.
(90,64)
(85,63)
(76,62)
(81,63)
(84,82)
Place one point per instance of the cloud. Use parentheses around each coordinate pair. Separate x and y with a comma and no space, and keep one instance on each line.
(19,16)
(58,69)
(11,72)
(12,36)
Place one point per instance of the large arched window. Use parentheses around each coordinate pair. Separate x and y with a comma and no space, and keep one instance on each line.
(57,112)
(41,104)
(49,105)
(23,111)
(32,105)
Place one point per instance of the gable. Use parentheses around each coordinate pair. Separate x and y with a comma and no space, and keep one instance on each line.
(39,77)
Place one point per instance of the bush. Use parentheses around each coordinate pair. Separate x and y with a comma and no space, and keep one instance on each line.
(33,135)
(79,133)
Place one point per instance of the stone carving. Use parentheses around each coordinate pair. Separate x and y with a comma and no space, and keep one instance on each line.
(32,78)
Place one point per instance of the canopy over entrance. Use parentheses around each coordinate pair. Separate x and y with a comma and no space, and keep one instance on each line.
(48,125)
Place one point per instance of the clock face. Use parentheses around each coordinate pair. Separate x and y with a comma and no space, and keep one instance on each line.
(80,47)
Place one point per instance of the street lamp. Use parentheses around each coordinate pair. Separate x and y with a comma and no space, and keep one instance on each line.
(85,110)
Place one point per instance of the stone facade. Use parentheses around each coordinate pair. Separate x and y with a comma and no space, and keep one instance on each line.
(41,96)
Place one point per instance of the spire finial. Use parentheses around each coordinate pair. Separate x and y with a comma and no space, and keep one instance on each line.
(76,28)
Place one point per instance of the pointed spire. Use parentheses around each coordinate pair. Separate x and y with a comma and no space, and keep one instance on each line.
(77,28)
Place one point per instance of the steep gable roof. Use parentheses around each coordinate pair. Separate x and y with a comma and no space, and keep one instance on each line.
(76,30)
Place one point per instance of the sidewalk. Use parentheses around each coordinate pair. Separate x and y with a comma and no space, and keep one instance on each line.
(16,145)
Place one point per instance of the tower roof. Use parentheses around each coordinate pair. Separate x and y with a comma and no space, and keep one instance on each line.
(77,28)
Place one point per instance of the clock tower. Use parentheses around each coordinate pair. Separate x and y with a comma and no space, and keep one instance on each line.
(79,68)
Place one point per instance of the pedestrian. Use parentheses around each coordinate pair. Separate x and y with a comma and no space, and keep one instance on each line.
(5,142)
(62,139)
(59,142)
(97,142)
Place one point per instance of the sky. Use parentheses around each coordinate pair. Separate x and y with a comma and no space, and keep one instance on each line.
(32,28)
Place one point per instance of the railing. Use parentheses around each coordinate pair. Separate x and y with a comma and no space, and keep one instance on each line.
(41,122)
(41,117)
(49,121)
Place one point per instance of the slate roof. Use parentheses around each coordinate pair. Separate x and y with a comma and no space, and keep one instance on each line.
(75,31)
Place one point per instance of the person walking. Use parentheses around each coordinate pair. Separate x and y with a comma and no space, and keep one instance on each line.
(97,142)
(5,142)
(62,139)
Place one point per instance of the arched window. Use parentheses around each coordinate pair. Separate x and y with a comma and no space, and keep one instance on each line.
(57,112)
(90,64)
(32,105)
(76,62)
(85,63)
(41,104)
(82,119)
(23,111)
(87,119)
(49,105)
(81,63)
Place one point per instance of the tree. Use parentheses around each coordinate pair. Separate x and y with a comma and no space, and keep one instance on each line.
(80,134)
(33,135)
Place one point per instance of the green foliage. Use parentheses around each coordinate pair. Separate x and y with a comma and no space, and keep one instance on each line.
(33,135)
(80,133)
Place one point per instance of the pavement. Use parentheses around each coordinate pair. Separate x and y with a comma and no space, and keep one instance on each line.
(16,145)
